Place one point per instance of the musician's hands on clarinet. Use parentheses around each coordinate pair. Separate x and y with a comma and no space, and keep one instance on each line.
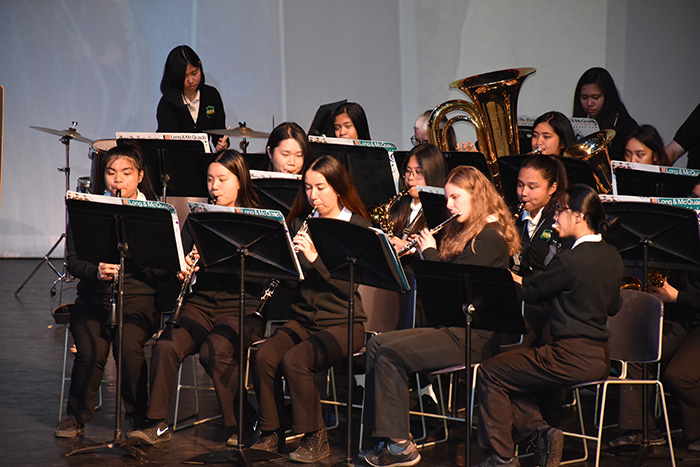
(302,243)
(107,271)
(190,259)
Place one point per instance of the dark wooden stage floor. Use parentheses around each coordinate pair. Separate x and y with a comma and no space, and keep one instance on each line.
(31,352)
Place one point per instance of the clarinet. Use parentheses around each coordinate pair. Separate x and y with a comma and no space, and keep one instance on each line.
(267,294)
(186,281)
(304,227)
(410,245)
(519,210)
(112,318)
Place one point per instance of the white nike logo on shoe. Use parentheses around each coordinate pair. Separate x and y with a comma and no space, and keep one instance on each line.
(159,432)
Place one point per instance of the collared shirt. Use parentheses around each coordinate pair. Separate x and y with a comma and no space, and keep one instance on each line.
(192,105)
(532,222)
(344,215)
(139,196)
(415,211)
(588,238)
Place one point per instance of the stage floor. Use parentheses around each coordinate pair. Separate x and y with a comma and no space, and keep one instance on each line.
(31,353)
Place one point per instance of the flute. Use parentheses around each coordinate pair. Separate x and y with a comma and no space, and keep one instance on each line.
(410,245)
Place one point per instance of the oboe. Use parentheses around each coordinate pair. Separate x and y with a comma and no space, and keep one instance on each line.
(304,227)
(186,281)
(410,245)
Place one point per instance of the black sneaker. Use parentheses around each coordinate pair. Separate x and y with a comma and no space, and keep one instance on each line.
(550,444)
(634,438)
(153,432)
(270,441)
(393,454)
(495,460)
(69,428)
(313,448)
(375,450)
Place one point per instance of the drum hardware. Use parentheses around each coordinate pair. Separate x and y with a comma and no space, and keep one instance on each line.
(63,276)
(242,131)
(492,112)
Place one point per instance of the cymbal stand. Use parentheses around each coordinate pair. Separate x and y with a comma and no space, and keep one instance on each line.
(63,275)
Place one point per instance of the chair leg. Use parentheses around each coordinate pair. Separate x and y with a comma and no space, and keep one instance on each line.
(176,418)
(582,428)
(660,390)
(64,378)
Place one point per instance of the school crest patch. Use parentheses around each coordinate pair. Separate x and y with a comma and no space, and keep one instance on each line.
(210,111)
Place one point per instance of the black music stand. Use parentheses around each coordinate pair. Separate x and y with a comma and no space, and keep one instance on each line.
(321,123)
(175,167)
(277,193)
(357,255)
(368,166)
(434,208)
(577,171)
(659,236)
(657,184)
(115,233)
(477,297)
(242,244)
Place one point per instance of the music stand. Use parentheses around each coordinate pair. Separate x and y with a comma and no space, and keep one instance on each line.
(628,181)
(357,255)
(175,167)
(432,199)
(477,297)
(577,171)
(654,235)
(368,166)
(105,230)
(277,193)
(242,244)
(320,124)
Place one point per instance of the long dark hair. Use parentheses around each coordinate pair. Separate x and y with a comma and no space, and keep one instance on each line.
(434,169)
(584,199)
(236,164)
(173,83)
(649,137)
(552,170)
(339,179)
(133,153)
(561,125)
(358,117)
(612,109)
(284,131)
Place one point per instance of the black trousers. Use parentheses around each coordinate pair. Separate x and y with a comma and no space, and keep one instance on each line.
(213,332)
(507,382)
(297,352)
(88,326)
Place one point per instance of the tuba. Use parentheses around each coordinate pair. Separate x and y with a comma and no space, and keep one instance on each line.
(594,150)
(492,112)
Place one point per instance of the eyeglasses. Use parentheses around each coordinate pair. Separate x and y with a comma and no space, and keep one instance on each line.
(415,141)
(417,174)
(559,208)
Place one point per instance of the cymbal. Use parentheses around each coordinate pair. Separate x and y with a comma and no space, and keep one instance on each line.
(71,133)
(239,132)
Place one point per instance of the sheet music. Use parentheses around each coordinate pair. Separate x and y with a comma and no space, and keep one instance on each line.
(390,254)
(390,148)
(436,190)
(267,213)
(258,174)
(141,204)
(688,203)
(660,169)
(202,137)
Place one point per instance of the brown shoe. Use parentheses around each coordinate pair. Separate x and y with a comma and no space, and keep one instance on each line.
(313,448)
(270,441)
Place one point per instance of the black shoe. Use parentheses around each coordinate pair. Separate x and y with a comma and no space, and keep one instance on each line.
(270,441)
(375,450)
(69,427)
(550,444)
(313,448)
(634,438)
(495,460)
(153,432)
(394,454)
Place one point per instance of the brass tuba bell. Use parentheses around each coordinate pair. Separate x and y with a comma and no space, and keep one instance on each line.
(492,112)
(594,150)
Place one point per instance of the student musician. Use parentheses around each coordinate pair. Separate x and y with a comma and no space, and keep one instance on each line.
(541,180)
(125,176)
(483,234)
(582,287)
(425,166)
(645,146)
(315,338)
(188,105)
(208,320)
(350,122)
(552,133)
(287,149)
